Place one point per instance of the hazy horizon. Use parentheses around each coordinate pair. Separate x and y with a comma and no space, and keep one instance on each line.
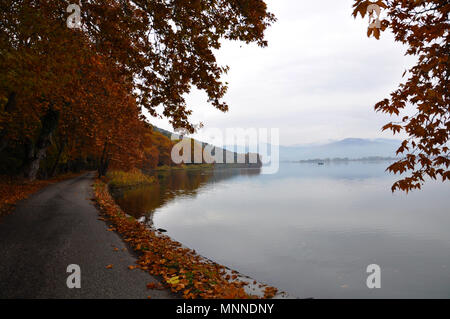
(319,85)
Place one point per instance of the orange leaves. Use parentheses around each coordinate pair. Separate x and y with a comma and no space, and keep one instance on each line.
(398,167)
(374,31)
(157,286)
(373,9)
(182,269)
(404,147)
(394,127)
(420,26)
(360,7)
(90,75)
(151,285)
(442,161)
(270,292)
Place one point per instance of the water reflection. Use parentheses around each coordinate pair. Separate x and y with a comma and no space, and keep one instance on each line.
(142,201)
(310,230)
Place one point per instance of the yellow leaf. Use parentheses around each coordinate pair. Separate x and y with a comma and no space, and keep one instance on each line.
(174,280)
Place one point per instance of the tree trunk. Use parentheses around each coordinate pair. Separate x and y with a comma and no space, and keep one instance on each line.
(104,162)
(38,151)
(58,157)
(103,169)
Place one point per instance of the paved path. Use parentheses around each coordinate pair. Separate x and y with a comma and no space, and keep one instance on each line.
(59,226)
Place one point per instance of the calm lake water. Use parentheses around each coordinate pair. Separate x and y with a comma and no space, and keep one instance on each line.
(309,230)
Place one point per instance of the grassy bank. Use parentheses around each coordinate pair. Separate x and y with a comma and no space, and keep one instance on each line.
(118,179)
(183,167)
(182,269)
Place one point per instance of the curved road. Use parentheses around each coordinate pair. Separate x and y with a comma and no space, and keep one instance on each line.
(59,226)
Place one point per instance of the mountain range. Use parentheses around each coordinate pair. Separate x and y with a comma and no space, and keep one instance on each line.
(351,148)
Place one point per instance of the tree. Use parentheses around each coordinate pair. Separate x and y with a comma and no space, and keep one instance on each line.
(422,25)
(157,149)
(166,47)
(85,88)
(39,61)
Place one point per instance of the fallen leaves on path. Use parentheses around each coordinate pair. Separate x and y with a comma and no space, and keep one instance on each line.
(13,189)
(183,270)
(157,286)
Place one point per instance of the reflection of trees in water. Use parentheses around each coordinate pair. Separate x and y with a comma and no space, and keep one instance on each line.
(142,201)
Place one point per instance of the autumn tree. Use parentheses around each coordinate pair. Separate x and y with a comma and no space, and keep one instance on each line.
(423,26)
(39,62)
(83,89)
(157,149)
(167,46)
(57,90)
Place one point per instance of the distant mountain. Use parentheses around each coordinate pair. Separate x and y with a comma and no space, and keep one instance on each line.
(239,160)
(163,131)
(352,148)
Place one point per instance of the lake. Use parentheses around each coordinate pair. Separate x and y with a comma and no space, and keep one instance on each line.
(310,230)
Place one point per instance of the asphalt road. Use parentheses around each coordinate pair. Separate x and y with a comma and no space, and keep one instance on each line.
(59,226)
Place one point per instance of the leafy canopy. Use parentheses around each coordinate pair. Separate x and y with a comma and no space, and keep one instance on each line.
(96,80)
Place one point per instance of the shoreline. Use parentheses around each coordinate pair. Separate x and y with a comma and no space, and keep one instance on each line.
(58,227)
(239,282)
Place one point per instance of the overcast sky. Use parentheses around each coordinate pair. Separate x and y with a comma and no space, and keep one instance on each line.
(317,81)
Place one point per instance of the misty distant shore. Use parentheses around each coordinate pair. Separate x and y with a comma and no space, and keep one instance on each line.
(345,159)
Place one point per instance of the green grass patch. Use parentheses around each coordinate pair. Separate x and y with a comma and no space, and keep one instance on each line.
(126,179)
(183,167)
